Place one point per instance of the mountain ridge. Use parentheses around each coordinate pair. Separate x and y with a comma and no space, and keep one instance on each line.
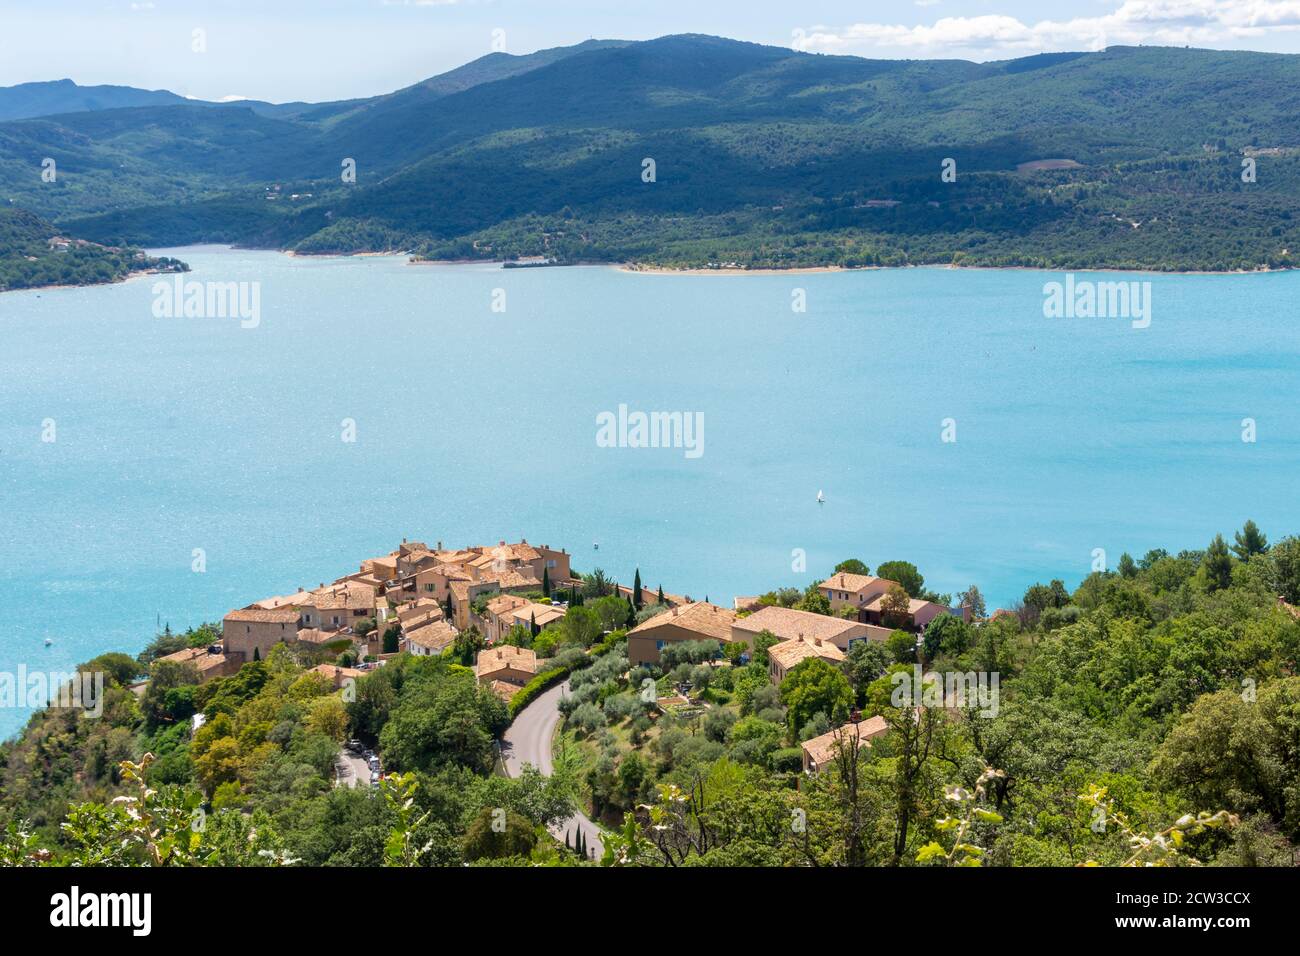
(764,155)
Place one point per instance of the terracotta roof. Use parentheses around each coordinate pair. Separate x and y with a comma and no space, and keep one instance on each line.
(512,578)
(346,595)
(708,620)
(503,689)
(493,660)
(523,551)
(788,624)
(913,604)
(436,636)
(286,600)
(844,581)
(529,612)
(425,611)
(337,675)
(261,615)
(452,572)
(822,750)
(505,603)
(650,595)
(789,653)
(198,656)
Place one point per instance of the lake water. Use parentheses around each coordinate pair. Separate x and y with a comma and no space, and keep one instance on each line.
(474,425)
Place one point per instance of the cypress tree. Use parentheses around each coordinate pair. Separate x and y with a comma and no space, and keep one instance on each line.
(546,582)
(631,614)
(257,653)
(636,590)
(661,594)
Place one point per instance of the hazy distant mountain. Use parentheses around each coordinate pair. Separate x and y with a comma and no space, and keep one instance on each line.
(64,96)
(762,155)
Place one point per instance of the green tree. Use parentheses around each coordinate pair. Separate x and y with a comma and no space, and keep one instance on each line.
(1285,558)
(1217,564)
(813,687)
(974,599)
(852,566)
(496,833)
(905,574)
(1250,541)
(895,607)
(901,646)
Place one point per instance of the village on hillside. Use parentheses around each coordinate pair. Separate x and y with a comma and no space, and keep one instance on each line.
(495,604)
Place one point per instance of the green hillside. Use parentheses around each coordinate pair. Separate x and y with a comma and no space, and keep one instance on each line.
(764,157)
(34,254)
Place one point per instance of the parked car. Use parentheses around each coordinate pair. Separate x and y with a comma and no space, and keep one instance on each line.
(374,764)
(354,746)
(374,778)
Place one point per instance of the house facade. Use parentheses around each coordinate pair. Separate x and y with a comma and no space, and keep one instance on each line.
(691,622)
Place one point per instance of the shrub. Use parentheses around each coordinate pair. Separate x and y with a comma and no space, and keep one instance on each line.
(786,760)
(587,718)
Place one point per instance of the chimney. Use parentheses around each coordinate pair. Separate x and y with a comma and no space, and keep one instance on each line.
(403,541)
(674,612)
(439,545)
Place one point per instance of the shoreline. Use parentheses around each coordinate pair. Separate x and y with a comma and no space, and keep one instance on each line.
(122,280)
(812,270)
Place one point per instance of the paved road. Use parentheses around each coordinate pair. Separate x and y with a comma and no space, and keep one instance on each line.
(528,740)
(350,770)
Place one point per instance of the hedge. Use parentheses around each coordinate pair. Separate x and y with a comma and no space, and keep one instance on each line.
(529,692)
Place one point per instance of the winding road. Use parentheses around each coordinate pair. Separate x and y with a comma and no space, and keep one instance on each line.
(528,740)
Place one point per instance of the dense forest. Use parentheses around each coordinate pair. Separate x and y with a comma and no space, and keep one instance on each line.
(33,254)
(1152,716)
(1143,158)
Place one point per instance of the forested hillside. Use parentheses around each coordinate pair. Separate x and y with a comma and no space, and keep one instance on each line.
(33,254)
(1131,157)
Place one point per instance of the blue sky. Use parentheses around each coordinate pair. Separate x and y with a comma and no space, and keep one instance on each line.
(282,50)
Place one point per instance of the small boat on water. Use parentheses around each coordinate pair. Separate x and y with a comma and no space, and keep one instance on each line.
(49,642)
(821,498)
(595,545)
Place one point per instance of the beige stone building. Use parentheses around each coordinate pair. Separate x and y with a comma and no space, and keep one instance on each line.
(337,606)
(783,657)
(209,662)
(505,669)
(820,752)
(250,633)
(789,624)
(853,590)
(429,640)
(692,622)
(508,610)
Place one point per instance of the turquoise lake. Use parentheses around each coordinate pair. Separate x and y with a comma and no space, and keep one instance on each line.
(474,425)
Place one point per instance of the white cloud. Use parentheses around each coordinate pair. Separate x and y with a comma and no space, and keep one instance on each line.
(1161,22)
